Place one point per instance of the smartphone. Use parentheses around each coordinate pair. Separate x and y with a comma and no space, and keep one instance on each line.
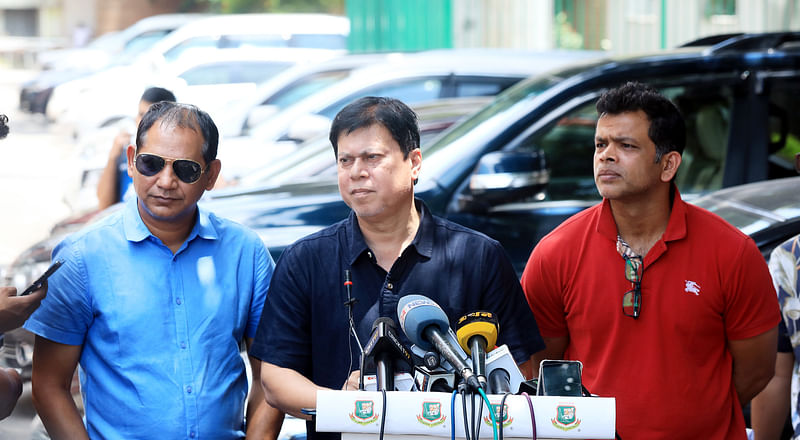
(560,378)
(40,281)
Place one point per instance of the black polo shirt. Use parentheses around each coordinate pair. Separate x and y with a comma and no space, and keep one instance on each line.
(304,325)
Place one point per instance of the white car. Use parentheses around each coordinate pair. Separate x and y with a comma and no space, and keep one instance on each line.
(289,87)
(131,40)
(412,78)
(316,31)
(212,79)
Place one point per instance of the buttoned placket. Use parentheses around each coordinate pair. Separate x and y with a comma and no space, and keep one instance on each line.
(186,370)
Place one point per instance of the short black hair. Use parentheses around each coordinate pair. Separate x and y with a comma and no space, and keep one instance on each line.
(391,113)
(185,116)
(3,126)
(667,127)
(157,94)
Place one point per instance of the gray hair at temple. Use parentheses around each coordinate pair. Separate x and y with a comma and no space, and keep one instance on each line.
(3,126)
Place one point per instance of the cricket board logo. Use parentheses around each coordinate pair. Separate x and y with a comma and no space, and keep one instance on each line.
(566,418)
(506,418)
(431,414)
(364,413)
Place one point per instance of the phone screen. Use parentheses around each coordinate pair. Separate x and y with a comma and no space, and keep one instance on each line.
(36,285)
(560,378)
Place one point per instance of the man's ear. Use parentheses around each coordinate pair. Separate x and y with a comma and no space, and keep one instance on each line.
(416,163)
(130,152)
(212,174)
(669,165)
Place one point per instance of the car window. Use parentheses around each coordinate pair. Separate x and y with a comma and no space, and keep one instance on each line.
(482,87)
(568,144)
(410,91)
(318,41)
(192,43)
(231,73)
(305,87)
(784,126)
(707,112)
(144,41)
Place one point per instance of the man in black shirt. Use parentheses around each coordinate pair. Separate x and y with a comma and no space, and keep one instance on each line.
(392,246)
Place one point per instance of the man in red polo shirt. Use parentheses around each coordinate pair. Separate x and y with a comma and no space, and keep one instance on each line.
(670,308)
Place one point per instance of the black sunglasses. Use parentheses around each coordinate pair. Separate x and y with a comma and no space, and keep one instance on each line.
(188,171)
(632,299)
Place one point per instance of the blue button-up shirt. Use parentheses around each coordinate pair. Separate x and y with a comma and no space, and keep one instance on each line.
(160,331)
(305,325)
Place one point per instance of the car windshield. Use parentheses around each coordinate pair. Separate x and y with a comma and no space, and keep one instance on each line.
(524,90)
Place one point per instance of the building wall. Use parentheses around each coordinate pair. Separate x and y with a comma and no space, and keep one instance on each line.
(525,24)
(113,15)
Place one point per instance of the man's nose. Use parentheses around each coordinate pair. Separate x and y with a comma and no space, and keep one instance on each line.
(358,169)
(166,178)
(607,154)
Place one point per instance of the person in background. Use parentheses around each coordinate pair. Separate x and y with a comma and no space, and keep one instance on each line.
(14,310)
(670,309)
(393,246)
(114,183)
(781,397)
(154,302)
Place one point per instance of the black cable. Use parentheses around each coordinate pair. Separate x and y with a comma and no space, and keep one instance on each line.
(472,415)
(348,283)
(464,405)
(383,420)
(502,415)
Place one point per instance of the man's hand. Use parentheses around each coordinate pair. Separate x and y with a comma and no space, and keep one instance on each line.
(15,310)
(352,381)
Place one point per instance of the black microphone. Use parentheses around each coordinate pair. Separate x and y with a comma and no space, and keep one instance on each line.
(384,346)
(477,332)
(425,324)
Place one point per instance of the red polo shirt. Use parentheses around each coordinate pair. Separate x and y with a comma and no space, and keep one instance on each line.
(670,370)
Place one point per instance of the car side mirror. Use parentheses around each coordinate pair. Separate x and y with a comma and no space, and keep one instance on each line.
(506,176)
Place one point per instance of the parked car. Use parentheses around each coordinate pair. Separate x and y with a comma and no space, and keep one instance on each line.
(63,65)
(522,165)
(291,86)
(412,78)
(209,78)
(313,31)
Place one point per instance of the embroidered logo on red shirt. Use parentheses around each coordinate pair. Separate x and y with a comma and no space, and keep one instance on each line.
(692,287)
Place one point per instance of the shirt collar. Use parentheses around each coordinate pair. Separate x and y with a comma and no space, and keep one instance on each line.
(136,230)
(676,227)
(422,243)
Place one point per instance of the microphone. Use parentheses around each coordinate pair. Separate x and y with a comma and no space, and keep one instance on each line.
(475,332)
(426,325)
(503,372)
(384,346)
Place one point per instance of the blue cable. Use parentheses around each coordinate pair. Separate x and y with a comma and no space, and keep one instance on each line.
(453,416)
(491,413)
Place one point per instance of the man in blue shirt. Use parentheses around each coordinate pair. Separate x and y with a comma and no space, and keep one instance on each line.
(392,246)
(154,301)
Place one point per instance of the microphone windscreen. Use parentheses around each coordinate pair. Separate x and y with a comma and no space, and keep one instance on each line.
(481,323)
(416,313)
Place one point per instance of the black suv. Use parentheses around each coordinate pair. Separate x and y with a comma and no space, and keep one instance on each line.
(523,164)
